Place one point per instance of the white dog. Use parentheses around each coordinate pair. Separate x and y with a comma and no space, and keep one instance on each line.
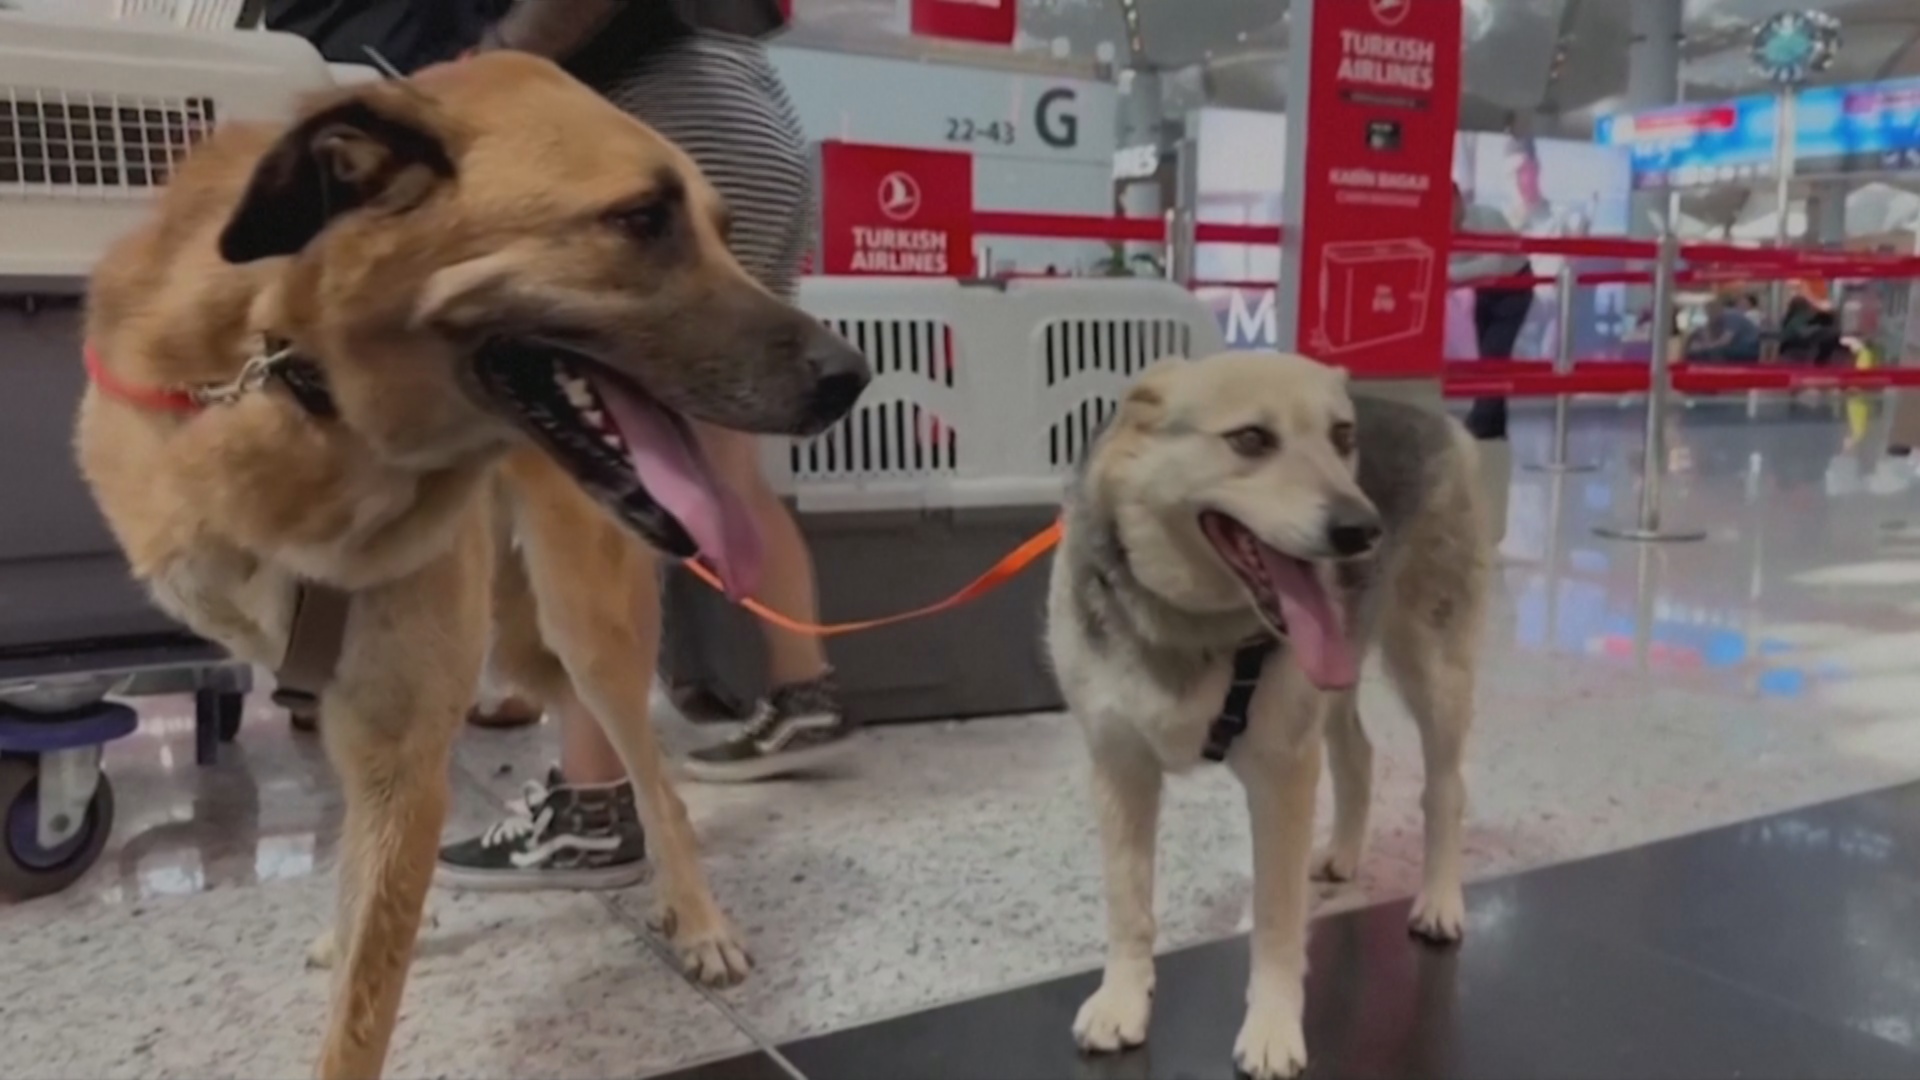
(1236,541)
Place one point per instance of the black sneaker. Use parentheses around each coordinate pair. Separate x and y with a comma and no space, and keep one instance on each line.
(555,836)
(798,727)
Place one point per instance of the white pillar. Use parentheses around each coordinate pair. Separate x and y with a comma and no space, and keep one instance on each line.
(1142,124)
(1827,213)
(1653,80)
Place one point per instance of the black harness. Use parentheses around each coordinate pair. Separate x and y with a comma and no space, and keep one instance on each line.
(1248,661)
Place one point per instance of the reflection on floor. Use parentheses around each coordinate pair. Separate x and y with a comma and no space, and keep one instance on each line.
(1629,695)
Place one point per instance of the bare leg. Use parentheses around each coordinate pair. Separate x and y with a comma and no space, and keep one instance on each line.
(586,755)
(1126,800)
(1350,753)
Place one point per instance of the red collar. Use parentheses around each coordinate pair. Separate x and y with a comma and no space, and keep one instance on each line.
(159,399)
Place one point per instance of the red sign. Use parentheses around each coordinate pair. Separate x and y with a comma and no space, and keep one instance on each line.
(896,212)
(989,21)
(1369,183)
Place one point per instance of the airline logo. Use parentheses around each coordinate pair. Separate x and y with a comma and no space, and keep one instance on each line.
(1390,12)
(899,196)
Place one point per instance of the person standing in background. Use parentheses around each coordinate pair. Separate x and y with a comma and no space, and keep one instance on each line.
(695,72)
(1498,312)
(408,34)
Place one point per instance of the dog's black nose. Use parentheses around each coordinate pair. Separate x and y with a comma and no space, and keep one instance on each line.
(1352,528)
(841,373)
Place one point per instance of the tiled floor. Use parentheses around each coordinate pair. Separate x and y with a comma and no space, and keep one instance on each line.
(1628,696)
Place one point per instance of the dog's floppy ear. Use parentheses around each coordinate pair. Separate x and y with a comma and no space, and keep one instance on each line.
(1146,401)
(376,148)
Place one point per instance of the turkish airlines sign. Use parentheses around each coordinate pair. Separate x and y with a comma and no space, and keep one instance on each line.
(990,22)
(895,211)
(1368,199)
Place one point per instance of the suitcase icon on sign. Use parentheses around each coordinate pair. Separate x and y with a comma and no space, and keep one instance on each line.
(1373,292)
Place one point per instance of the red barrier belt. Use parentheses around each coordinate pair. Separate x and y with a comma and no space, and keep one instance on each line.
(1737,378)
(1723,257)
(1478,380)
(1213,232)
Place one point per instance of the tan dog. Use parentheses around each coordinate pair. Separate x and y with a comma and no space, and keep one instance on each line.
(1240,537)
(397,351)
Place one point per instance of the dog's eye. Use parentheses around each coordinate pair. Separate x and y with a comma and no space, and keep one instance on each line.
(648,221)
(1253,441)
(1342,437)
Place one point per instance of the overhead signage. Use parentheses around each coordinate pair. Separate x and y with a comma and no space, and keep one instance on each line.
(1838,130)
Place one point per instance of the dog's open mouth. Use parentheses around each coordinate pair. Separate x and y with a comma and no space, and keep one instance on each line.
(637,457)
(1290,597)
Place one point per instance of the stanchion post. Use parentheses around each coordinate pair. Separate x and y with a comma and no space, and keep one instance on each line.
(1564,287)
(1169,256)
(1181,245)
(1659,385)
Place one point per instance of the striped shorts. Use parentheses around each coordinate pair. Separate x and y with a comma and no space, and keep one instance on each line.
(720,100)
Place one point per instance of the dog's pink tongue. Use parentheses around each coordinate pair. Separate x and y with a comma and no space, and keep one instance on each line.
(1314,630)
(676,475)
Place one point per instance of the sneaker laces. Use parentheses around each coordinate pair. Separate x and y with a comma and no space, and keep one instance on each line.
(529,815)
(761,724)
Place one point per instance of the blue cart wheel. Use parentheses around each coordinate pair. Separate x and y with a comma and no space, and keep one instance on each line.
(27,869)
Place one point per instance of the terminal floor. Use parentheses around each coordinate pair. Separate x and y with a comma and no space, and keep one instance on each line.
(1693,851)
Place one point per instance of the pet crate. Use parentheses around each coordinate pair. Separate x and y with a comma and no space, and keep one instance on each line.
(985,395)
(95,113)
(184,14)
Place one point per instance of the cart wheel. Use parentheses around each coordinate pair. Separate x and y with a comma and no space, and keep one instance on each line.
(231,707)
(28,870)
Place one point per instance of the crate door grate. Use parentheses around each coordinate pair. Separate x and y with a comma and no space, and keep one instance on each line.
(55,142)
(893,438)
(189,14)
(1117,347)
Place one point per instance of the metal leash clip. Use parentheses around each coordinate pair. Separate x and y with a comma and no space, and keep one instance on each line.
(253,375)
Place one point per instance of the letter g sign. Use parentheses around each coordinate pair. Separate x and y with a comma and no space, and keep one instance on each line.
(1054,118)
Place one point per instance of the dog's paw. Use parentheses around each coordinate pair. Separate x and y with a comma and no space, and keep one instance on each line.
(323,952)
(1271,1045)
(1439,916)
(710,949)
(1114,1018)
(1330,864)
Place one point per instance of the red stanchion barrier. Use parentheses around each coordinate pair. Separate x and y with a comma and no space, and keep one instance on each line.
(1469,381)
(1707,263)
(1740,378)
(1212,232)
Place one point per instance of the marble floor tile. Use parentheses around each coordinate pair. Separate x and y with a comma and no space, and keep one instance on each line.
(215,985)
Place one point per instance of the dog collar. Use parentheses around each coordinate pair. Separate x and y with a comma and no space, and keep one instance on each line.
(276,362)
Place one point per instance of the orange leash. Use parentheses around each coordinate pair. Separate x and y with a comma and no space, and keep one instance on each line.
(1008,568)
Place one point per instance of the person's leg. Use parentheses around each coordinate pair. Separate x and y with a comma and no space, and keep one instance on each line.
(580,827)
(587,756)
(577,829)
(800,725)
(1498,316)
(1486,419)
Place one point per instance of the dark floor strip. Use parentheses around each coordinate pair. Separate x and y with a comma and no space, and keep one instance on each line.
(1786,947)
(754,1066)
